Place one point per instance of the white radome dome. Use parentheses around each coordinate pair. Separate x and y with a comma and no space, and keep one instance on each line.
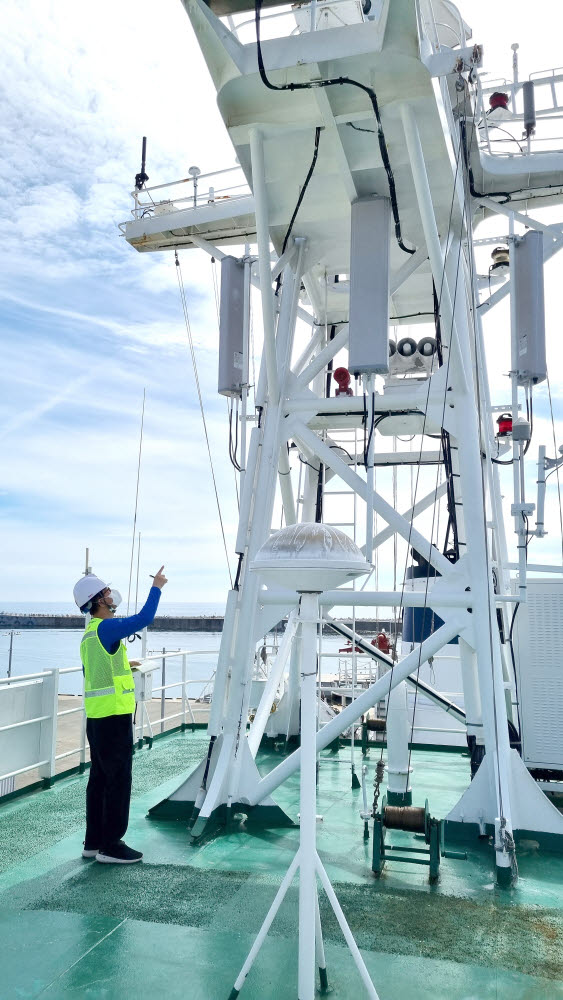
(309,557)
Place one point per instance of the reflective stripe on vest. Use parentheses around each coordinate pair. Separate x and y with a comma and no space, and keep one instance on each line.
(109,688)
(99,694)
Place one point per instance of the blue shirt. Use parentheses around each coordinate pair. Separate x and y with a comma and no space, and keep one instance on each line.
(112,630)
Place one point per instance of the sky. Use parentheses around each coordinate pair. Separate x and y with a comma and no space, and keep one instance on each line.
(87,324)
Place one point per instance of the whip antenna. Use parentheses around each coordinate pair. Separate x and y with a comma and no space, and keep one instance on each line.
(136,502)
(142,177)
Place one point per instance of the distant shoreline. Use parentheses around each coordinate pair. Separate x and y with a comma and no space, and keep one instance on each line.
(163,623)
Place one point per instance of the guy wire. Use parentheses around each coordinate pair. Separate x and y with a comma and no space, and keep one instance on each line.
(136,502)
(198,387)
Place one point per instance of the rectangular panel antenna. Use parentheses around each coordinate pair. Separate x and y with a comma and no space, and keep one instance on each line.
(369,286)
(529,310)
(231,327)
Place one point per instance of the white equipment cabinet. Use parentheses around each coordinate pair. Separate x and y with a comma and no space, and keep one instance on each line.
(538,651)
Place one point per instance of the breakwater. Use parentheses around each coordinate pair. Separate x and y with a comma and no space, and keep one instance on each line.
(165,623)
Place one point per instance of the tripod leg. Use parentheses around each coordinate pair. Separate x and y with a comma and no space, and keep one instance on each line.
(360,965)
(285,884)
(319,947)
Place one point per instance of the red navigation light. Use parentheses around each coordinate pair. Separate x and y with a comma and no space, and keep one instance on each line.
(504,424)
(343,377)
(498,100)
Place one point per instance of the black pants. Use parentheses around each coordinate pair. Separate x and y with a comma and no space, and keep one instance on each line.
(109,786)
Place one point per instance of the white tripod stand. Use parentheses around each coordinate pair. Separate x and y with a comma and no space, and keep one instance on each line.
(310,557)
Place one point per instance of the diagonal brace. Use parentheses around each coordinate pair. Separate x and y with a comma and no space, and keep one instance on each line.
(328,456)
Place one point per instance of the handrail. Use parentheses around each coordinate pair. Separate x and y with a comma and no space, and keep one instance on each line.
(305,8)
(47,767)
(16,678)
(190,180)
(528,145)
(24,677)
(312,7)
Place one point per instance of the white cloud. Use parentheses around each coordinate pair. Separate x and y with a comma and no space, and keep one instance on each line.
(88,322)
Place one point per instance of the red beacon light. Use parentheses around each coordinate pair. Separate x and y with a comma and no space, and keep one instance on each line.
(343,377)
(504,424)
(498,100)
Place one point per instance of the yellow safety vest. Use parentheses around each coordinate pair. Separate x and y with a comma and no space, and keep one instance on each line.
(109,688)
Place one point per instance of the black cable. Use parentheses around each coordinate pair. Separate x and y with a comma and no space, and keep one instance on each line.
(239,571)
(510,631)
(304,188)
(450,494)
(357,128)
(319,497)
(300,199)
(330,365)
(530,415)
(305,462)
(339,81)
(499,129)
(477,194)
(410,316)
(338,447)
(374,424)
(233,448)
(444,438)
(321,480)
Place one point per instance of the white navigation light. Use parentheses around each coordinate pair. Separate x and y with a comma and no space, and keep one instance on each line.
(309,558)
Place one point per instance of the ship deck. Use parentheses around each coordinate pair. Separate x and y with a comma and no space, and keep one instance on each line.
(181,923)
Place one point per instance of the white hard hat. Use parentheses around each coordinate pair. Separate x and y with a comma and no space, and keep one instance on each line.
(87,588)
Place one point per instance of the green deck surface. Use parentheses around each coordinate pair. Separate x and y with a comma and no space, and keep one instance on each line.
(181,923)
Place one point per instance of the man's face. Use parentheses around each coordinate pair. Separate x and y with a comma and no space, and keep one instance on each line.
(106,598)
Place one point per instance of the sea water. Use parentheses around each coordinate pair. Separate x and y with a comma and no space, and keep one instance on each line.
(36,650)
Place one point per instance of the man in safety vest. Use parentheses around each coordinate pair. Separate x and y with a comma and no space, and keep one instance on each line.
(109,703)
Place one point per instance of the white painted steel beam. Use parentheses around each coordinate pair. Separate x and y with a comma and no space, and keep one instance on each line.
(349,715)
(410,398)
(384,598)
(329,457)
(431,235)
(555,231)
(274,679)
(423,504)
(263,237)
(319,363)
(409,267)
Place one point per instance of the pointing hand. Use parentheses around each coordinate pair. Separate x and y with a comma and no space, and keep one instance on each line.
(159,579)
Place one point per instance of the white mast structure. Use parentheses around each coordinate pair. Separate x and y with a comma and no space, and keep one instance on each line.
(391,214)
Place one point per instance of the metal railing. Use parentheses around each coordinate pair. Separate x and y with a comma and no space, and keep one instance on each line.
(164,686)
(47,681)
(317,15)
(548,91)
(441,33)
(146,205)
